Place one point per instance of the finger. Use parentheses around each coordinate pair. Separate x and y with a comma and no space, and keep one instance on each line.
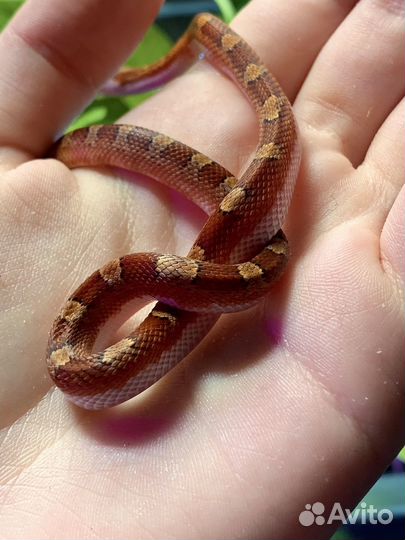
(386,155)
(382,175)
(385,161)
(393,240)
(55,54)
(357,79)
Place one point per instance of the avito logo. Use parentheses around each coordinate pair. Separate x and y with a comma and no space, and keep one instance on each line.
(315,513)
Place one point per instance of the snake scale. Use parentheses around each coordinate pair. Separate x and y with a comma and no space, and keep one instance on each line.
(237,256)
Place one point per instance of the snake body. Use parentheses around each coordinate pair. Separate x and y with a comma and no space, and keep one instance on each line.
(237,256)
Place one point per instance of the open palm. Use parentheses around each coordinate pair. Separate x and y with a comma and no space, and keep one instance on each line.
(295,401)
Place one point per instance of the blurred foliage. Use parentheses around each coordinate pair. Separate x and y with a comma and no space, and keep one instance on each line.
(106,110)
(238,4)
(227,9)
(7,10)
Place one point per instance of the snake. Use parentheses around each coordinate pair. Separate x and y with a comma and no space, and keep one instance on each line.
(237,257)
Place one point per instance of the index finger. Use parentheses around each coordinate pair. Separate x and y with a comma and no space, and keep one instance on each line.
(55,55)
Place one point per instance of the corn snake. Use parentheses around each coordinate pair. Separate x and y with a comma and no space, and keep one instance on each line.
(237,256)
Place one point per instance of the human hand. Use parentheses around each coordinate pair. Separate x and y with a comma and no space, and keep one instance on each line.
(297,400)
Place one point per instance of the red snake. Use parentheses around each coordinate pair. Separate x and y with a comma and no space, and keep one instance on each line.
(237,256)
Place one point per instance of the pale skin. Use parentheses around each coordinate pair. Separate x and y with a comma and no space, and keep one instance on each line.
(296,401)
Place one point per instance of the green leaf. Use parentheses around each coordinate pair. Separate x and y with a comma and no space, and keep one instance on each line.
(155,44)
(7,10)
(227,9)
(103,110)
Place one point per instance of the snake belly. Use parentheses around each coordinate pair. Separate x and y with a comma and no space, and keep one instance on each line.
(235,259)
